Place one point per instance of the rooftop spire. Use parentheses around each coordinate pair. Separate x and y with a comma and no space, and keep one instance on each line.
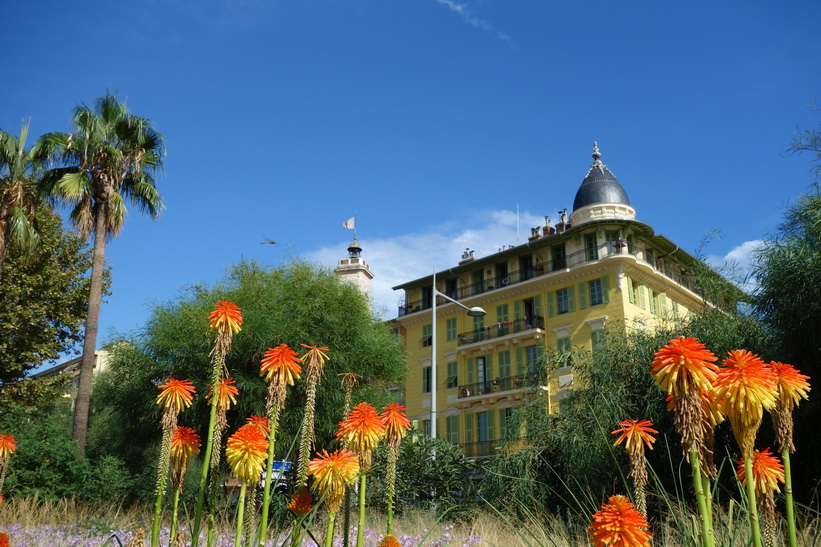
(596,154)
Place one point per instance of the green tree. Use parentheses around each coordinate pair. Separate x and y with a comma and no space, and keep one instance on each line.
(293,304)
(18,195)
(110,156)
(44,298)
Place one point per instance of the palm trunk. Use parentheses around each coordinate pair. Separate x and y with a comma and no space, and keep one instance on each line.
(81,404)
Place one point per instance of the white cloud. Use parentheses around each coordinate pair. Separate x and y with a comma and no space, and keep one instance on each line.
(736,264)
(406,257)
(467,15)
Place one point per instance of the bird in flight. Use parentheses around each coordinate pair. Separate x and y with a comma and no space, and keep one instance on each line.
(267,241)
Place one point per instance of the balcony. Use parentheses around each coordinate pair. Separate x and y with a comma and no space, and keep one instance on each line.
(578,258)
(499,385)
(500,329)
(481,449)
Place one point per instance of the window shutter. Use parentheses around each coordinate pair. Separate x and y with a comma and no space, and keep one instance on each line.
(663,301)
(551,306)
(470,370)
(571,299)
(582,296)
(605,289)
(519,361)
(488,367)
(630,295)
(537,304)
(517,310)
(468,427)
(642,296)
(490,425)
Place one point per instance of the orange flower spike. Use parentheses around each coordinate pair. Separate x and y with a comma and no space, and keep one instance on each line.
(744,387)
(315,355)
(281,365)
(227,394)
(301,501)
(362,429)
(4,538)
(332,473)
(619,524)
(184,444)
(792,385)
(635,434)
(768,471)
(681,360)
(176,394)
(395,421)
(226,316)
(246,451)
(260,422)
(8,446)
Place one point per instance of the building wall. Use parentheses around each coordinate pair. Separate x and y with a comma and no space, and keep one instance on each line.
(560,309)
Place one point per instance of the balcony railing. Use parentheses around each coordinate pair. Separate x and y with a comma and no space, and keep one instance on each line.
(481,448)
(493,386)
(560,263)
(500,329)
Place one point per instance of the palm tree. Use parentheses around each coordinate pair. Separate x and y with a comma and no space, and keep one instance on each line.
(18,196)
(110,156)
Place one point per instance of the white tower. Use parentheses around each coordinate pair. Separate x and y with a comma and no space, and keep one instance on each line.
(354,270)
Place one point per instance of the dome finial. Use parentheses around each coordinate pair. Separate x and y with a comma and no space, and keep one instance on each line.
(596,153)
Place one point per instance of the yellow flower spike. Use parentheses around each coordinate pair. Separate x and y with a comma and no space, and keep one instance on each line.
(260,422)
(792,385)
(176,395)
(681,361)
(226,316)
(744,387)
(280,365)
(246,451)
(768,471)
(227,394)
(332,474)
(184,444)
(619,524)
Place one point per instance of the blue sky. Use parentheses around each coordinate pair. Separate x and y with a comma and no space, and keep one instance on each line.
(432,121)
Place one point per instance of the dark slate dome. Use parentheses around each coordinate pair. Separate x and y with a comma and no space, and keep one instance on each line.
(599,186)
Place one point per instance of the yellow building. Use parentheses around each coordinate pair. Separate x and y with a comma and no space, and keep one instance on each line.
(558,291)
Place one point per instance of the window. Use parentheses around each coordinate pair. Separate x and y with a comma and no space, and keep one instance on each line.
(452,379)
(504,369)
(477,281)
(634,293)
(502,323)
(501,274)
(525,268)
(425,379)
(452,426)
(482,432)
(563,301)
(563,348)
(426,427)
(676,318)
(450,329)
(558,257)
(450,289)
(427,338)
(532,355)
(596,295)
(590,250)
(507,423)
(612,241)
(653,306)
(597,340)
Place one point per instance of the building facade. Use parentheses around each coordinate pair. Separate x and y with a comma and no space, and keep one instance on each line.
(557,292)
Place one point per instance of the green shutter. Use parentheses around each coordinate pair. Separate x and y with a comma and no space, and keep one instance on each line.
(517,310)
(582,296)
(551,305)
(571,299)
(605,289)
(488,367)
(468,427)
(470,370)
(519,361)
(537,304)
(630,295)
(663,301)
(491,425)
(643,296)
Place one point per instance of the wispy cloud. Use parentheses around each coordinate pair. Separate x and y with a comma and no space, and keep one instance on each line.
(403,258)
(467,15)
(736,264)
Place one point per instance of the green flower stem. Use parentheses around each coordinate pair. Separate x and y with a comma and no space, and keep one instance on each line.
(788,499)
(174,513)
(155,528)
(209,445)
(266,490)
(360,531)
(240,513)
(752,509)
(329,535)
(707,539)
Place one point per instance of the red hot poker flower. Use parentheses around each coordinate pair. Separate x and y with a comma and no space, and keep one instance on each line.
(792,385)
(227,394)
(246,451)
(260,422)
(362,430)
(768,471)
(619,524)
(176,395)
(184,444)
(227,316)
(395,421)
(8,446)
(635,434)
(681,361)
(280,365)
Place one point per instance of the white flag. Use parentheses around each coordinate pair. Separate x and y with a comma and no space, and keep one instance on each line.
(349,224)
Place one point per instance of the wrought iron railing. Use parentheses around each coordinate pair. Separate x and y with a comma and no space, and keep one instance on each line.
(560,263)
(491,386)
(501,329)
